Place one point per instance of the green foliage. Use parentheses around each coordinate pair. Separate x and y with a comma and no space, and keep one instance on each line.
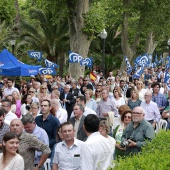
(154,156)
(7,10)
(95,19)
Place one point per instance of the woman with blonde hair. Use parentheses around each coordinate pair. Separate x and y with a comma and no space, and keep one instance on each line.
(141,90)
(44,95)
(9,158)
(17,98)
(134,101)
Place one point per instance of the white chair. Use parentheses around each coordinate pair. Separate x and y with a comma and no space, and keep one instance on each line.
(47,164)
(162,124)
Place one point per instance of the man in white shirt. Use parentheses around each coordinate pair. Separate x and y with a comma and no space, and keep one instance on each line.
(68,153)
(152,113)
(60,113)
(10,88)
(96,152)
(9,116)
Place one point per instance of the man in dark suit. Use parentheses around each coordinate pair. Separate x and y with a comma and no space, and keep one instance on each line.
(74,90)
(67,100)
(77,122)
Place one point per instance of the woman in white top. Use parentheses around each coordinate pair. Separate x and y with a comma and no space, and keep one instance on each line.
(9,159)
(104,130)
(117,98)
(141,90)
(26,103)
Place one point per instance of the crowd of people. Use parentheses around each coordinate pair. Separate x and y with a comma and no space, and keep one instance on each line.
(79,124)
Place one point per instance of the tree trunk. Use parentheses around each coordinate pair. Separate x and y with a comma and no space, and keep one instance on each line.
(17,17)
(79,41)
(61,57)
(150,43)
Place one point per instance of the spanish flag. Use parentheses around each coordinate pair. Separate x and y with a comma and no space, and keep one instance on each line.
(92,76)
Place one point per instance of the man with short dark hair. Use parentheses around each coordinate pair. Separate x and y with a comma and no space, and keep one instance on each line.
(137,132)
(158,98)
(4,127)
(10,88)
(9,116)
(68,153)
(77,122)
(31,127)
(48,122)
(96,152)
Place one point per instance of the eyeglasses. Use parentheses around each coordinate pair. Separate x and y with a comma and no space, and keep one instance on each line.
(34,107)
(31,91)
(138,113)
(44,105)
(44,88)
(85,80)
(98,91)
(129,117)
(115,91)
(25,87)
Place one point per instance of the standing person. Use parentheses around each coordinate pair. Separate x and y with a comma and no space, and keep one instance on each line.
(10,88)
(26,103)
(90,102)
(28,144)
(9,116)
(105,105)
(9,159)
(48,122)
(140,90)
(31,91)
(67,100)
(96,151)
(104,130)
(4,127)
(158,98)
(43,93)
(59,112)
(77,122)
(31,127)
(137,132)
(68,153)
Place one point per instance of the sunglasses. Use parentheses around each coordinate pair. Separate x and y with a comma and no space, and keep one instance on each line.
(31,91)
(115,91)
(44,88)
(98,91)
(129,117)
(85,80)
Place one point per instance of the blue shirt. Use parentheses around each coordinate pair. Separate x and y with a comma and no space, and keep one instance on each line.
(42,136)
(160,100)
(50,125)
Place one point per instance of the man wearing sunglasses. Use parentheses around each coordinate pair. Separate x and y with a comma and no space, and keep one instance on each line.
(137,132)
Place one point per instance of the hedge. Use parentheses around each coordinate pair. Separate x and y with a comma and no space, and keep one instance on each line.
(154,156)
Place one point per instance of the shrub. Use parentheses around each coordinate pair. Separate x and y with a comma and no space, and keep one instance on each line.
(154,156)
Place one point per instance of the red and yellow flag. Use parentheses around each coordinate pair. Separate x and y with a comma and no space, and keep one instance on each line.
(92,76)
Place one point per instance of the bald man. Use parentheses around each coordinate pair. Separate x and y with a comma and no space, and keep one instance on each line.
(28,145)
(152,113)
(67,100)
(137,132)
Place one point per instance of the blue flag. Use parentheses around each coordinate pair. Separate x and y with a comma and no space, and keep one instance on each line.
(138,73)
(74,57)
(35,54)
(156,59)
(128,66)
(86,62)
(50,64)
(47,71)
(142,61)
(167,79)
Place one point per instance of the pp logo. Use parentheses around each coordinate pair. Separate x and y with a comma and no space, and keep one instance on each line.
(46,70)
(86,62)
(74,58)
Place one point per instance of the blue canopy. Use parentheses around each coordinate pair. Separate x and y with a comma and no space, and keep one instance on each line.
(11,66)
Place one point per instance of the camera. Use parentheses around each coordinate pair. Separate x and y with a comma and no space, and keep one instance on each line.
(126,142)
